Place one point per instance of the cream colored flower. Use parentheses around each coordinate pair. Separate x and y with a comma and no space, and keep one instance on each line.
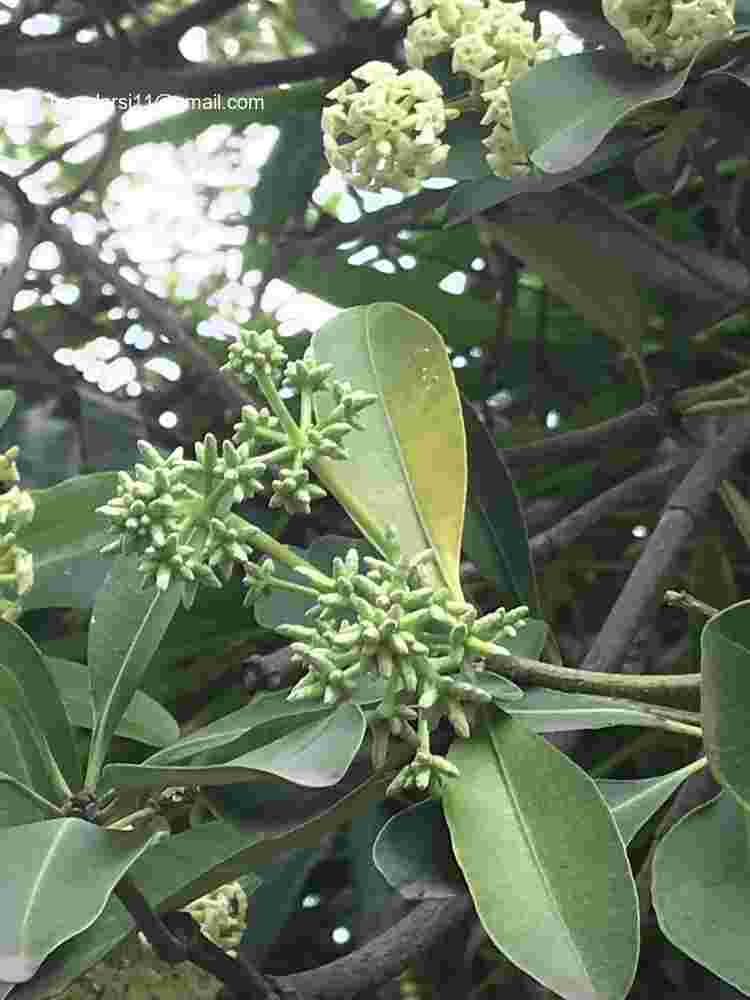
(668,33)
(386,134)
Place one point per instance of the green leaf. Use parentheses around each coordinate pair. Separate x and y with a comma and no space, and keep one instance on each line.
(145,720)
(71,584)
(65,528)
(725,697)
(601,287)
(22,759)
(291,172)
(315,756)
(548,711)
(495,536)
(501,689)
(195,862)
(235,733)
(544,862)
(16,808)
(474,197)
(39,910)
(127,625)
(392,476)
(20,656)
(564,108)
(7,402)
(701,888)
(413,853)
(634,802)
(530,640)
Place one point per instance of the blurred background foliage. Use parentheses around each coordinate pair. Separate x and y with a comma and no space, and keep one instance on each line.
(220,218)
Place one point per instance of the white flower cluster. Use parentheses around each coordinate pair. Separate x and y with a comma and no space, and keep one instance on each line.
(386,134)
(16,563)
(134,972)
(669,33)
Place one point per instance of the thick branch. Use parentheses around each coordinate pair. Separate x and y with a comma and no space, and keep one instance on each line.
(643,485)
(165,36)
(576,445)
(72,69)
(674,528)
(383,958)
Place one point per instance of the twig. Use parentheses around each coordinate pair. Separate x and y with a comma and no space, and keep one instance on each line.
(674,528)
(679,690)
(548,544)
(587,442)
(681,599)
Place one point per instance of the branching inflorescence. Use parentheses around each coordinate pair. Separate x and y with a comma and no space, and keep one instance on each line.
(372,618)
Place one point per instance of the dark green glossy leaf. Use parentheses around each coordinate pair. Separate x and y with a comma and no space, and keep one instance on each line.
(413,853)
(391,476)
(701,888)
(39,910)
(564,108)
(725,697)
(634,802)
(544,862)
(316,756)
(127,625)
(495,536)
(145,720)
(65,528)
(235,733)
(20,656)
(290,174)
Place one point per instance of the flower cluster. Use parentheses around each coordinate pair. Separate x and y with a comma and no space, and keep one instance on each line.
(16,563)
(387,133)
(172,511)
(133,971)
(382,619)
(669,33)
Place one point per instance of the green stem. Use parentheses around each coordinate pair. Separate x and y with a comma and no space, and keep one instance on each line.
(279,407)
(271,547)
(305,410)
(681,599)
(49,807)
(681,690)
(293,588)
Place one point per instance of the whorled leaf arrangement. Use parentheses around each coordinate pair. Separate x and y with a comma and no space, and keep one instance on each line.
(376,617)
